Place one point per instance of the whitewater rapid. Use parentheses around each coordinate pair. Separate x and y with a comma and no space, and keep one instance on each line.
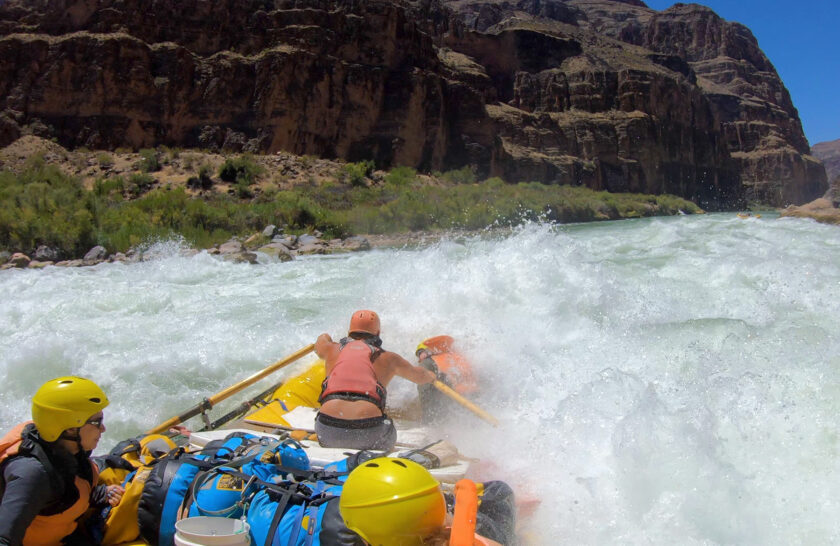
(659,381)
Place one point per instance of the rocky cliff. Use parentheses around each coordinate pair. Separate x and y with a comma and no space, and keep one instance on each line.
(603,93)
(829,154)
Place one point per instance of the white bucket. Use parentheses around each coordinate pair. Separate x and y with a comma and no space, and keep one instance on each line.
(207,531)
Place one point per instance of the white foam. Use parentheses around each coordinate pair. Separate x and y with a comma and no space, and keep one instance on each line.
(664,381)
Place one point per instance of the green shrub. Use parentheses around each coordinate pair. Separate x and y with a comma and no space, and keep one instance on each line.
(149,162)
(465,175)
(139,183)
(106,160)
(400,176)
(240,170)
(355,174)
(243,191)
(109,187)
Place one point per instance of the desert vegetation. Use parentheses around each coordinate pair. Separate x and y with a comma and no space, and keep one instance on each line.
(207,203)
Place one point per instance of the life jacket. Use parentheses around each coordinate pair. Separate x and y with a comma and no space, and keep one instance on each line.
(458,371)
(219,480)
(353,376)
(51,528)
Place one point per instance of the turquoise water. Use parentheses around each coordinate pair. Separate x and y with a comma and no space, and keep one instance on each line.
(659,381)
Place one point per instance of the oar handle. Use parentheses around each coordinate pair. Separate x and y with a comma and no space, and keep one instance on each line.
(208,403)
(442,387)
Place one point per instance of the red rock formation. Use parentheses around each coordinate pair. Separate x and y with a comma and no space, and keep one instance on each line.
(598,92)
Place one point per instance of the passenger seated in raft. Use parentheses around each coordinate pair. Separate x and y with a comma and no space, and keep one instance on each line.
(390,501)
(437,355)
(352,412)
(48,479)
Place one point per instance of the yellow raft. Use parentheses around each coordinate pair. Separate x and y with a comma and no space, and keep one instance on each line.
(301,390)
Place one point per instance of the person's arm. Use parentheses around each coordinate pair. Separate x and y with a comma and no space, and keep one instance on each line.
(27,492)
(406,370)
(324,346)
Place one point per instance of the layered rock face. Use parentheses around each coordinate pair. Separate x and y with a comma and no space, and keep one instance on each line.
(829,154)
(603,93)
(339,79)
(752,112)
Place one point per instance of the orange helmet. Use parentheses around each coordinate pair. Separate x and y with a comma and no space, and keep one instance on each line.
(365,322)
(436,345)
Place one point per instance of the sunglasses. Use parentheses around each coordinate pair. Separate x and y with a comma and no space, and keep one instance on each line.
(95,422)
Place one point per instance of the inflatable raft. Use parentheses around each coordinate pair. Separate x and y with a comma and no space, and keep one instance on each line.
(246,464)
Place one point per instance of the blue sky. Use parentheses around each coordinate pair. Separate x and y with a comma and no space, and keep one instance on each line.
(801,40)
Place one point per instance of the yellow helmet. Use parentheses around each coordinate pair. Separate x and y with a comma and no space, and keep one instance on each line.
(390,502)
(65,402)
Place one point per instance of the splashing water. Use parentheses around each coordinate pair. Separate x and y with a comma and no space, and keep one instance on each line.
(659,381)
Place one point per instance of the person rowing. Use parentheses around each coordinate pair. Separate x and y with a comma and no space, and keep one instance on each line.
(353,395)
(437,355)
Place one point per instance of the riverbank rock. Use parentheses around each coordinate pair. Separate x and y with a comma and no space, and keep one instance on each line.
(46,254)
(285,247)
(822,210)
(278,251)
(243,257)
(230,247)
(355,244)
(18,260)
(96,254)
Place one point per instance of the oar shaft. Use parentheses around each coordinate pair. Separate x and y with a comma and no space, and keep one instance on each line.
(442,387)
(218,397)
(222,395)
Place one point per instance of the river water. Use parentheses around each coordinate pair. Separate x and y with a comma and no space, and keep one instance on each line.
(658,381)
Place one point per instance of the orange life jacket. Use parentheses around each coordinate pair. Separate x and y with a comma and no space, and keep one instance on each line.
(49,530)
(353,376)
(458,371)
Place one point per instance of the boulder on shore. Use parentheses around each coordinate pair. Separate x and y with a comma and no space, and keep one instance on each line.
(822,210)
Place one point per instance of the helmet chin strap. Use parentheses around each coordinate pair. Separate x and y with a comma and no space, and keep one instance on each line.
(73,438)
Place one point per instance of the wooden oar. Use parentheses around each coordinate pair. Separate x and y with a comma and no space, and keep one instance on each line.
(466,403)
(208,403)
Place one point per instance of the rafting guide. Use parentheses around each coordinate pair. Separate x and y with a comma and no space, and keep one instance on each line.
(451,368)
(358,370)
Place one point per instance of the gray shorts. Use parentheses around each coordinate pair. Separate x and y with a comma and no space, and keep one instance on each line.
(371,433)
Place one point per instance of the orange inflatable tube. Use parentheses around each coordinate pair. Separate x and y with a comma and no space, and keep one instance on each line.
(466,511)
